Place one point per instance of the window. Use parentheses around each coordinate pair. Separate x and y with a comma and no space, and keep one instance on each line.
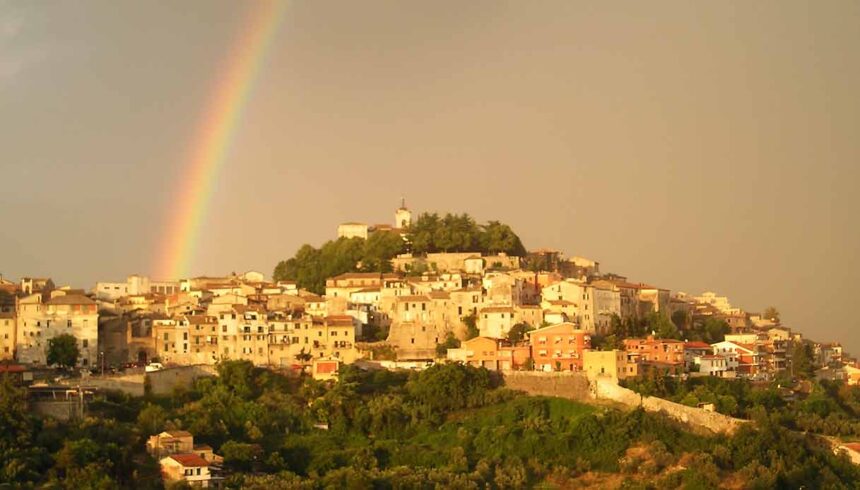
(85,343)
(184,335)
(166,337)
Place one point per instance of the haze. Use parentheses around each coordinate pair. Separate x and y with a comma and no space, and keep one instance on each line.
(693,145)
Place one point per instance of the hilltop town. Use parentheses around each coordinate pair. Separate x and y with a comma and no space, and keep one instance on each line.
(538,311)
(456,316)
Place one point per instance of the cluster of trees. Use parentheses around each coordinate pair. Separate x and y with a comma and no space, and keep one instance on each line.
(460,233)
(823,407)
(448,426)
(310,267)
(711,330)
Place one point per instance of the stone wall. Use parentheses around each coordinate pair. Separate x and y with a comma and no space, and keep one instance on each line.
(561,384)
(161,382)
(696,417)
(59,409)
(575,386)
(132,384)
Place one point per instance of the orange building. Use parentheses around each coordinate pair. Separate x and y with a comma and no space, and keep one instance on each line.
(559,347)
(660,353)
(490,353)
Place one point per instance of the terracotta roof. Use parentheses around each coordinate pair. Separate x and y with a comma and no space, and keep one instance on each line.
(439,295)
(367,290)
(697,345)
(201,319)
(497,309)
(561,302)
(364,275)
(178,433)
(416,298)
(338,319)
(854,446)
(189,460)
(70,299)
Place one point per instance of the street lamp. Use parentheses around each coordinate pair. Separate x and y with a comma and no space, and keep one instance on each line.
(102,354)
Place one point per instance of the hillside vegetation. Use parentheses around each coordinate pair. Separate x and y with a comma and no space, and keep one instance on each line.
(450,426)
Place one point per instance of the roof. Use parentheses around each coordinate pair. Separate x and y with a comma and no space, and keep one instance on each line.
(561,302)
(405,299)
(563,324)
(178,433)
(367,290)
(364,275)
(192,460)
(697,345)
(439,295)
(70,299)
(497,309)
(338,319)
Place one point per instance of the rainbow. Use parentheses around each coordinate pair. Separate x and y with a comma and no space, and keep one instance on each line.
(211,144)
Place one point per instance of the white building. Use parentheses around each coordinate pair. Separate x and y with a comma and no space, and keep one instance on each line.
(39,321)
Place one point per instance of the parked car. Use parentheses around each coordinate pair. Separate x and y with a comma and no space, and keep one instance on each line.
(154,366)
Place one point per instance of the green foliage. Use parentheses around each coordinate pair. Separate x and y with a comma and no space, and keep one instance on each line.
(63,351)
(310,267)
(771,313)
(459,233)
(802,360)
(450,342)
(449,426)
(471,322)
(379,249)
(517,333)
(661,325)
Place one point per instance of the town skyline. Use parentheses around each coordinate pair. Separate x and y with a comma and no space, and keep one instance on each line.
(684,145)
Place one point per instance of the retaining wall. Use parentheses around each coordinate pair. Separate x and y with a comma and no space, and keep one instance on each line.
(696,417)
(561,384)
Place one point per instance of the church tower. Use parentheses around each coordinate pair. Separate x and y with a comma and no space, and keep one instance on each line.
(403,216)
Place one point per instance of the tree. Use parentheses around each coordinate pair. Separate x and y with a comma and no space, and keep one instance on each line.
(802,360)
(662,327)
(518,332)
(63,351)
(771,313)
(471,322)
(451,342)
(379,249)
(496,237)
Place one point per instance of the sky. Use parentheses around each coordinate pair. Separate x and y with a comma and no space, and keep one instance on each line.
(693,145)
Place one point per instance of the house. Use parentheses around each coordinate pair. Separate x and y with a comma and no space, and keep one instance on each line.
(8,335)
(692,350)
(610,365)
(181,459)
(65,312)
(574,299)
(559,347)
(749,358)
(190,468)
(495,321)
(490,353)
(714,365)
(607,304)
(653,353)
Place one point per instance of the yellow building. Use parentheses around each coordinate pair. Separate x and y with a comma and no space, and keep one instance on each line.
(610,365)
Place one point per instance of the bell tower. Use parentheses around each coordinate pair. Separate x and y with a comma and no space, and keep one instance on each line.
(403,216)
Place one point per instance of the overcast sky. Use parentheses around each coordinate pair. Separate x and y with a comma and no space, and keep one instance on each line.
(695,145)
